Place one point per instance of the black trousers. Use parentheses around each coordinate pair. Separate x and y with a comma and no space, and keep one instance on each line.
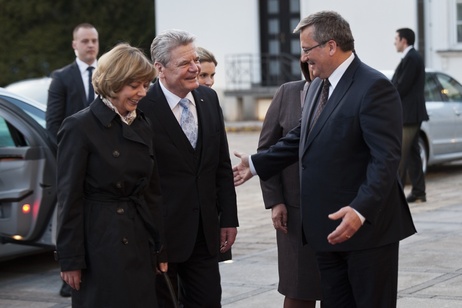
(360,279)
(196,281)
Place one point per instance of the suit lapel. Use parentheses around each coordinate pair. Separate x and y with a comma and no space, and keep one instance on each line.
(335,98)
(166,118)
(397,71)
(77,79)
(313,92)
(303,93)
(402,63)
(199,100)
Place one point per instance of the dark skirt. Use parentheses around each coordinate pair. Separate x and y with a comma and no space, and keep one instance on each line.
(298,271)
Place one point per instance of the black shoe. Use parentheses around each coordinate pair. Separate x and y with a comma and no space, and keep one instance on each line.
(417,199)
(66,290)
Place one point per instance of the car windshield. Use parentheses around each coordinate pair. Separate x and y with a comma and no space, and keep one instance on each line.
(36,89)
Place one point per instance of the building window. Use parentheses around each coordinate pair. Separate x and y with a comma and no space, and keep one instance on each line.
(295,6)
(459,21)
(273,6)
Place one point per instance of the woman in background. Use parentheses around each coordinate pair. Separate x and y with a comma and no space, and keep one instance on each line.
(299,279)
(208,64)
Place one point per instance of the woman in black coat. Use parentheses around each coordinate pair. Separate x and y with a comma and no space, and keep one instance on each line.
(108,190)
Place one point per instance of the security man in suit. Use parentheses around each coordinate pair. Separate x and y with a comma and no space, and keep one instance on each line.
(71,89)
(191,147)
(409,80)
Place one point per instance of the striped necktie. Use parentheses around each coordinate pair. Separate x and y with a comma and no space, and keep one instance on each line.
(322,102)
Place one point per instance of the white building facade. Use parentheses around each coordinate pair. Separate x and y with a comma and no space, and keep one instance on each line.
(247,36)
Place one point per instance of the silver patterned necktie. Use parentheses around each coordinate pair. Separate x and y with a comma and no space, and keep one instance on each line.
(187,122)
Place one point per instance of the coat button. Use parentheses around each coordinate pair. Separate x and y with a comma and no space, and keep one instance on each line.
(125,241)
(116,154)
(120,211)
(119,185)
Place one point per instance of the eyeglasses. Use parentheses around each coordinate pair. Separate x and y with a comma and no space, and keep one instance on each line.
(307,50)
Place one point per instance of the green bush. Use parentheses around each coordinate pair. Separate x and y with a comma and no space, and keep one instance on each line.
(36,36)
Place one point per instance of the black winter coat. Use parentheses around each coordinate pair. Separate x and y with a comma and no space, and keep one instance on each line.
(108,192)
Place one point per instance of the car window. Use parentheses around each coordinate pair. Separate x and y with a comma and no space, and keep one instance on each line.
(451,88)
(37,114)
(6,140)
(10,136)
(432,89)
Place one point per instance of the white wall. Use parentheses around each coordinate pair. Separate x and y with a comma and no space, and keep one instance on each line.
(232,27)
(443,52)
(229,27)
(373,23)
(221,26)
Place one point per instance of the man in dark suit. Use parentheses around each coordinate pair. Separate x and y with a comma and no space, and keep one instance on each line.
(199,199)
(70,89)
(354,212)
(409,80)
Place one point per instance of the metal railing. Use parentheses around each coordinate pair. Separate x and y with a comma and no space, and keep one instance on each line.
(247,71)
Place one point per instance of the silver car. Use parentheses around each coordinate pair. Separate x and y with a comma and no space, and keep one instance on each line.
(440,138)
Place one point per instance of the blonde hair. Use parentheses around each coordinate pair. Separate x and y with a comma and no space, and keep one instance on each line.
(119,67)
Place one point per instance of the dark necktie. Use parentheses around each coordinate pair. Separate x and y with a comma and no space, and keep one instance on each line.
(322,102)
(91,91)
(187,122)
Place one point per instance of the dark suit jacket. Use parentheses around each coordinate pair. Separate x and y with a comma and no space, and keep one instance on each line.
(193,182)
(350,157)
(283,114)
(409,80)
(66,96)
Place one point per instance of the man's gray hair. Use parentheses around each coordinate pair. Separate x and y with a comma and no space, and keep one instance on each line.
(166,41)
(329,25)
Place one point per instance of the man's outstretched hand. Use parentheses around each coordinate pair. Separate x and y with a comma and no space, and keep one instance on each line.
(242,170)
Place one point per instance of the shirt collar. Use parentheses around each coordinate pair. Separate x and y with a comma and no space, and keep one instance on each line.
(173,99)
(83,66)
(405,51)
(334,78)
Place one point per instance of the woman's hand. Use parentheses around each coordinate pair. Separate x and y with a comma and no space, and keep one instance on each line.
(72,278)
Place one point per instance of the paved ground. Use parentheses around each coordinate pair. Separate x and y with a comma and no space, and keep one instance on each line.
(430,262)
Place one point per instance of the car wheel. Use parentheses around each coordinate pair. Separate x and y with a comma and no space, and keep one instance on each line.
(423,154)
